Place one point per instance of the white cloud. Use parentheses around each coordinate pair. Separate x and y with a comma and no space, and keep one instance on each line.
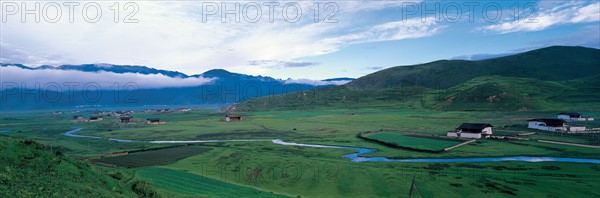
(171,35)
(569,13)
(395,30)
(589,13)
(102,80)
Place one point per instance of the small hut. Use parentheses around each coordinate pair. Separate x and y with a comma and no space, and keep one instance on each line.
(154,121)
(95,118)
(125,119)
(233,118)
(78,118)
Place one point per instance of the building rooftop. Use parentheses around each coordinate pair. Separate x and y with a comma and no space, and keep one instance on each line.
(571,114)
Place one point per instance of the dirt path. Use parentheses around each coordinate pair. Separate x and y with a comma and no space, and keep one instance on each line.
(461,144)
(570,144)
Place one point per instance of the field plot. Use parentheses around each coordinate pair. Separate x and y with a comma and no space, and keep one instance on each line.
(413,142)
(152,158)
(180,183)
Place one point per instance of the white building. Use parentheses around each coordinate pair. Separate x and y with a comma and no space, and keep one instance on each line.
(184,109)
(572,116)
(550,124)
(472,130)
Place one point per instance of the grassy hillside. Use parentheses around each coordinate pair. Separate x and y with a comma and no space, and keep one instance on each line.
(505,93)
(28,169)
(339,97)
(550,64)
(481,93)
(553,78)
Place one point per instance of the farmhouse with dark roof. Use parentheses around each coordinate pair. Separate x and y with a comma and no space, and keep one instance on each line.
(472,130)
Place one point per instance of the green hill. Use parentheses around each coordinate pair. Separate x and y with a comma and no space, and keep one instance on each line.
(481,93)
(28,169)
(553,78)
(550,64)
(337,97)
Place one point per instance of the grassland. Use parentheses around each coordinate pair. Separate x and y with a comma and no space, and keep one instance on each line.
(331,127)
(314,172)
(413,142)
(295,171)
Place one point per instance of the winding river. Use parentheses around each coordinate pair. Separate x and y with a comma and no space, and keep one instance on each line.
(355,157)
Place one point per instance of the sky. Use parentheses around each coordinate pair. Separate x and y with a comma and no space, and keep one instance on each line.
(287,39)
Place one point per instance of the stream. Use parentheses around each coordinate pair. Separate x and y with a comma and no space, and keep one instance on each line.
(355,157)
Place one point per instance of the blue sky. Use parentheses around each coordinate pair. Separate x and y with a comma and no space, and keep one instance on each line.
(362,36)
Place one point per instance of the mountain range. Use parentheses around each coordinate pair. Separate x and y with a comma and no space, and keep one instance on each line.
(224,88)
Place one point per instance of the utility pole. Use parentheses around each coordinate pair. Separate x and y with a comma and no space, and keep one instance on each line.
(413,188)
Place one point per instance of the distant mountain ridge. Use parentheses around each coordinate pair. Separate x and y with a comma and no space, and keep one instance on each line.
(551,63)
(120,69)
(565,78)
(225,88)
(136,69)
(339,79)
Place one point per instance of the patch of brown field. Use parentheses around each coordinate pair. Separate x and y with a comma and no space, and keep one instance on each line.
(153,157)
(167,131)
(519,119)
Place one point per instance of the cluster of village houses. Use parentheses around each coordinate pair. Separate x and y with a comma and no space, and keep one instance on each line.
(564,123)
(125,116)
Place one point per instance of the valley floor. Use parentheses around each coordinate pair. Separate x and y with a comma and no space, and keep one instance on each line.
(265,169)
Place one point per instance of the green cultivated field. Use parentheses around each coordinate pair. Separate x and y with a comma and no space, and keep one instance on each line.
(408,141)
(182,184)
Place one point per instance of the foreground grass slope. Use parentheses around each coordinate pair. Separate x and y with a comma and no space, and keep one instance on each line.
(27,169)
